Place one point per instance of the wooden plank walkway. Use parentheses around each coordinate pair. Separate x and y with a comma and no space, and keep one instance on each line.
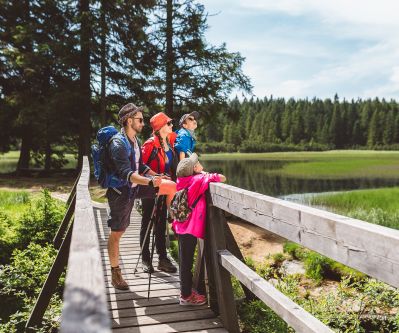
(130,310)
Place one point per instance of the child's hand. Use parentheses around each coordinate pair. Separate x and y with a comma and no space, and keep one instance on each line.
(222,178)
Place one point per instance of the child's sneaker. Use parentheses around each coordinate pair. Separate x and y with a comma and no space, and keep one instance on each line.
(193,299)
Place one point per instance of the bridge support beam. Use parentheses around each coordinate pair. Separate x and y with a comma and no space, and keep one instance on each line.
(215,242)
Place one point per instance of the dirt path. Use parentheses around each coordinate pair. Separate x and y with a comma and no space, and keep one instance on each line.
(255,242)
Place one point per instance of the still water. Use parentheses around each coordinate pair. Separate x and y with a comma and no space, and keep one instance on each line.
(255,175)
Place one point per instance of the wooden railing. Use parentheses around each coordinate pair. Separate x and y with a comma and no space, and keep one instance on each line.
(369,248)
(84,306)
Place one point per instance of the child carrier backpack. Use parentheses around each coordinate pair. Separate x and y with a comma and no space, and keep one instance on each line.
(102,162)
(179,207)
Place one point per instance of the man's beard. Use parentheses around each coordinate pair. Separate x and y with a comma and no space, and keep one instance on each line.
(137,130)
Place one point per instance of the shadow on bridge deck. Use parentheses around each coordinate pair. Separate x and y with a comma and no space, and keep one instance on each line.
(130,311)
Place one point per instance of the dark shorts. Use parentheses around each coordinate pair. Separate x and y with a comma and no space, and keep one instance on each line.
(120,205)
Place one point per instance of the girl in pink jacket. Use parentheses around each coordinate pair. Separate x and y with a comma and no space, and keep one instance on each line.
(190,175)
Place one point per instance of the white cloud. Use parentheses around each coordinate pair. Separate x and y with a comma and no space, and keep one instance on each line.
(349,47)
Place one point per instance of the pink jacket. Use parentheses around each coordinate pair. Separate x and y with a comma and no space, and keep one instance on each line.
(197,185)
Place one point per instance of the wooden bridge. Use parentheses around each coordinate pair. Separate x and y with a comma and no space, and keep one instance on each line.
(91,304)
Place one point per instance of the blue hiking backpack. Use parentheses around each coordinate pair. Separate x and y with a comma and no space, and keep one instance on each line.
(103,165)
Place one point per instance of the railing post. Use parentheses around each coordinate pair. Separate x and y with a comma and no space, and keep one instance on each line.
(215,240)
(73,191)
(65,222)
(50,285)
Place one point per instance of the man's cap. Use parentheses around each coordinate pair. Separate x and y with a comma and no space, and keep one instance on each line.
(183,118)
(185,167)
(158,121)
(127,111)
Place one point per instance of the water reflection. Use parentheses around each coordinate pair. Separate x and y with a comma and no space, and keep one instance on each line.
(255,176)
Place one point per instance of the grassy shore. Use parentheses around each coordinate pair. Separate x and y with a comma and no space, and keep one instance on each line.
(336,164)
(9,161)
(378,206)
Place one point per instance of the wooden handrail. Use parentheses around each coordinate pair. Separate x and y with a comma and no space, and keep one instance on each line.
(366,247)
(84,308)
(294,315)
(369,248)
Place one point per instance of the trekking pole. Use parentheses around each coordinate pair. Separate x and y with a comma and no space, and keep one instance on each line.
(147,232)
(151,257)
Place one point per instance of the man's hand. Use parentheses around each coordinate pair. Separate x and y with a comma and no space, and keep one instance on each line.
(156,181)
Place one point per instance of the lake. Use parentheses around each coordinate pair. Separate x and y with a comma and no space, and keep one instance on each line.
(263,176)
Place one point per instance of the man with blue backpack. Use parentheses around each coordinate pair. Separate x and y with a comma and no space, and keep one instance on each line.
(119,168)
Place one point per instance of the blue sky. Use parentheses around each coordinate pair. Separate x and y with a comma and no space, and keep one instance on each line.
(307,48)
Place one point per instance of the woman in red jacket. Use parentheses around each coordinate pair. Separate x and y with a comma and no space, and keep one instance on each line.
(159,154)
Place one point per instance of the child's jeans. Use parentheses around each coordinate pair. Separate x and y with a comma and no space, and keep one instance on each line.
(187,244)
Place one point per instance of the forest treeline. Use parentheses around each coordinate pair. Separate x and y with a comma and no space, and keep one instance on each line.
(276,124)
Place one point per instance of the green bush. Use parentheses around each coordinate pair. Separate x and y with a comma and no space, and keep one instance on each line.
(317,266)
(21,282)
(174,250)
(296,251)
(40,222)
(28,269)
(26,235)
(8,237)
(256,317)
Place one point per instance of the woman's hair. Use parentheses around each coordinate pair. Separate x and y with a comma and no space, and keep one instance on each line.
(163,144)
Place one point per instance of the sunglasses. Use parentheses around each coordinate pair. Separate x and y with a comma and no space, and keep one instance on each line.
(141,120)
(191,118)
(169,123)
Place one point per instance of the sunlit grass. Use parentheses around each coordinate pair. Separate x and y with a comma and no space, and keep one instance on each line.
(9,161)
(337,164)
(14,202)
(378,206)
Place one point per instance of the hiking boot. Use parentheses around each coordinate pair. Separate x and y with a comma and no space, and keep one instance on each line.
(193,299)
(166,265)
(147,266)
(117,280)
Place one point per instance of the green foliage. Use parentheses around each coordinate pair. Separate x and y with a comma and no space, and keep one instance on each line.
(16,322)
(20,284)
(363,305)
(40,222)
(317,266)
(27,271)
(278,258)
(375,206)
(27,235)
(174,249)
(256,317)
(295,250)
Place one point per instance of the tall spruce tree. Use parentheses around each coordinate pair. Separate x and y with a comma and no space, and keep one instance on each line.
(191,72)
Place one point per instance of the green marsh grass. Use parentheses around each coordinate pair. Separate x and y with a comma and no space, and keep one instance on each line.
(378,206)
(336,164)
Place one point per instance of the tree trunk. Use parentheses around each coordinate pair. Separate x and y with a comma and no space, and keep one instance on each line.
(24,156)
(85,105)
(103,103)
(47,160)
(169,58)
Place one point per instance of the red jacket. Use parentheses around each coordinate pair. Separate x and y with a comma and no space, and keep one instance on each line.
(157,164)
